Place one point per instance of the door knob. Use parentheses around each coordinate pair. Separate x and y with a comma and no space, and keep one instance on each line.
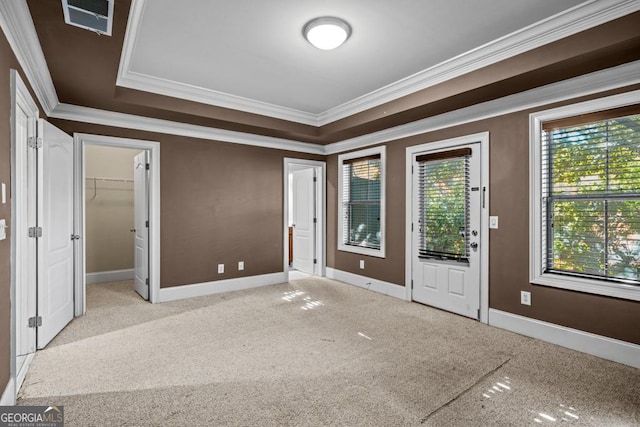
(133,230)
(474,246)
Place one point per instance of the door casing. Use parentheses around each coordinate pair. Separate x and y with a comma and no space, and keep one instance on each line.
(483,139)
(291,164)
(153,148)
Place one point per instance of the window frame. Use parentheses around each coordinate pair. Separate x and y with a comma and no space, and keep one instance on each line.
(342,158)
(536,221)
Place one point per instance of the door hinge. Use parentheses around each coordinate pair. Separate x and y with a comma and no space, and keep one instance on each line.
(147,281)
(146,223)
(35,322)
(411,169)
(315,220)
(478,315)
(147,166)
(411,226)
(315,261)
(35,232)
(411,283)
(34,142)
(315,179)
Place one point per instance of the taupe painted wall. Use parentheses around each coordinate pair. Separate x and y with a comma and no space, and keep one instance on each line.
(109,208)
(508,245)
(220,203)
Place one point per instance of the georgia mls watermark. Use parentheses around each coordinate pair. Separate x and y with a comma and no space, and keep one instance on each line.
(31,416)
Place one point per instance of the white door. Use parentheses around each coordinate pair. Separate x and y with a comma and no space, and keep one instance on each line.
(56,245)
(26,180)
(446,234)
(141,224)
(304,197)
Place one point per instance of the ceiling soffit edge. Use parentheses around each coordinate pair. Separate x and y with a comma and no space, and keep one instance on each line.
(564,24)
(18,28)
(599,81)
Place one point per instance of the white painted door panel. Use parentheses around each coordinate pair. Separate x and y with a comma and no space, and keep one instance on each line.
(452,285)
(26,175)
(55,247)
(140,218)
(303,217)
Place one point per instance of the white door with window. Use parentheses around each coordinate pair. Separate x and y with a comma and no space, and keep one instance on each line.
(56,244)
(141,224)
(446,199)
(304,197)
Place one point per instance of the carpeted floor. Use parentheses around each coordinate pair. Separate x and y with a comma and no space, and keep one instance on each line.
(314,352)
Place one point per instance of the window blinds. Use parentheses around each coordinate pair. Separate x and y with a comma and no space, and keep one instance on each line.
(443,201)
(591,198)
(361,201)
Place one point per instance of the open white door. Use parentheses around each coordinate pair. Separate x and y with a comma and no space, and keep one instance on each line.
(304,197)
(446,241)
(141,224)
(56,244)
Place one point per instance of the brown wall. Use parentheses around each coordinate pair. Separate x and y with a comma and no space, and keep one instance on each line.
(219,203)
(508,245)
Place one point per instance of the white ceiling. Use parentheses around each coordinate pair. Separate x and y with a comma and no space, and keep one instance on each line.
(253,51)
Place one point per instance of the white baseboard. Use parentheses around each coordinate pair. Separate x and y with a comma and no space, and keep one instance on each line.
(375,285)
(109,276)
(9,395)
(209,288)
(597,345)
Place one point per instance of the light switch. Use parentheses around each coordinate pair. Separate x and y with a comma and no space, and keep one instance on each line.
(3,228)
(220,268)
(361,264)
(493,222)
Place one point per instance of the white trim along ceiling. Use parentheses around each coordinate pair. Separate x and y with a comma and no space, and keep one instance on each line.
(17,25)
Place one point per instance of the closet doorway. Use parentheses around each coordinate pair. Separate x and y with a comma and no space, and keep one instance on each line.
(117,214)
(110,232)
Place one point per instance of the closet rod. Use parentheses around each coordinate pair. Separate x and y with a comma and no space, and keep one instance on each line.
(97,178)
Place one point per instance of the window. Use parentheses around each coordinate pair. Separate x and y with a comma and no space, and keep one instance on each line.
(443,204)
(361,202)
(587,202)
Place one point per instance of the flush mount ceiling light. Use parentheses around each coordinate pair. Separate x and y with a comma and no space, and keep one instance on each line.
(326,33)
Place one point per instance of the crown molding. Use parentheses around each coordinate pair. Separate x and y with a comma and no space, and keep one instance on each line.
(129,121)
(580,18)
(18,28)
(588,84)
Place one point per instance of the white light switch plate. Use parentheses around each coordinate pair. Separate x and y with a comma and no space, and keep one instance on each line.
(362,264)
(240,265)
(4,193)
(493,222)
(3,233)
(220,268)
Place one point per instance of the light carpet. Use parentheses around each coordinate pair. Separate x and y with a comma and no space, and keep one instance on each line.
(314,352)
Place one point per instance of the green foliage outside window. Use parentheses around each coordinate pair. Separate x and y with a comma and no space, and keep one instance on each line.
(593,199)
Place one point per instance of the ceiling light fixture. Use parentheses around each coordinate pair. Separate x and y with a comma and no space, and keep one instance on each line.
(326,33)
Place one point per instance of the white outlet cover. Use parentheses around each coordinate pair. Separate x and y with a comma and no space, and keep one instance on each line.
(4,193)
(240,265)
(362,264)
(525,298)
(493,222)
(220,268)
(3,233)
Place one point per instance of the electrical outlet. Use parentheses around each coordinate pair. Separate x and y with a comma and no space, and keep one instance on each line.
(240,265)
(220,268)
(525,298)
(361,264)
(3,227)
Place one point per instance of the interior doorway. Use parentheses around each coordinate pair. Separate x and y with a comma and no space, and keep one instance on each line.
(132,177)
(112,234)
(305,213)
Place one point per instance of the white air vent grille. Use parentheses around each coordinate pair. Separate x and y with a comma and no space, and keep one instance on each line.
(92,15)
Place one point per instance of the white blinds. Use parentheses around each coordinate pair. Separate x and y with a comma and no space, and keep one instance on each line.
(361,202)
(591,199)
(443,185)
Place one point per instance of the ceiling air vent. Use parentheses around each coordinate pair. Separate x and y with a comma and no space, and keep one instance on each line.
(92,15)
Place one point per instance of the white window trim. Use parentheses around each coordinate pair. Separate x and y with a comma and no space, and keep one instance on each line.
(380,253)
(536,276)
